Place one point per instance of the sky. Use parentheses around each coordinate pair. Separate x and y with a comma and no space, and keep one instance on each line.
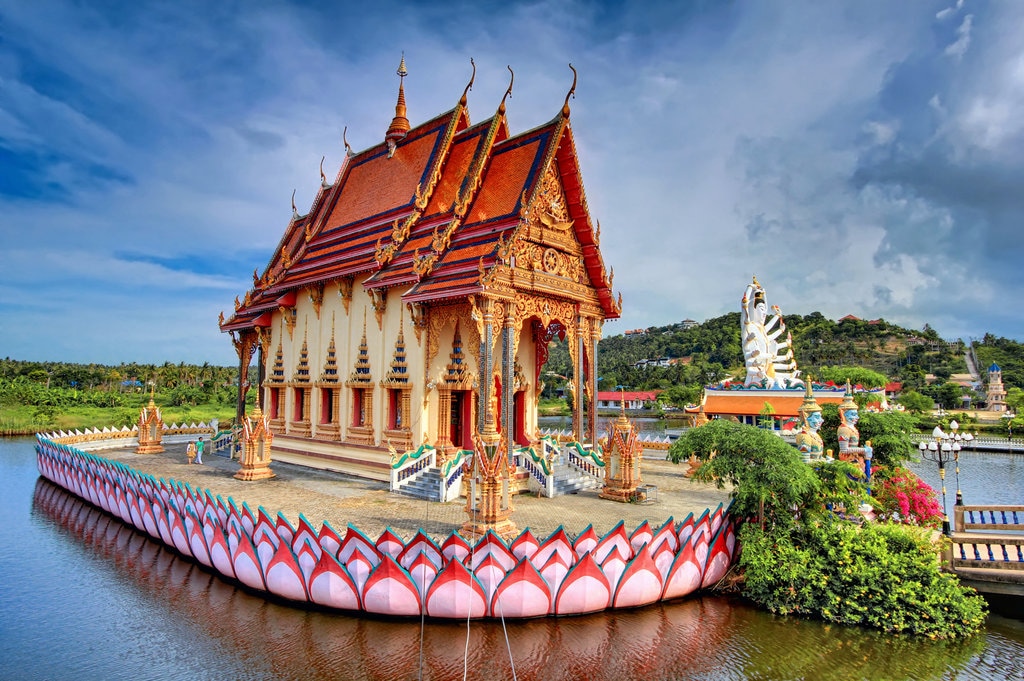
(861,157)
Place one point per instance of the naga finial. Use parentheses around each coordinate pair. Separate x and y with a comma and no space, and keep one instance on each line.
(469,85)
(508,92)
(295,211)
(323,178)
(571,93)
(348,149)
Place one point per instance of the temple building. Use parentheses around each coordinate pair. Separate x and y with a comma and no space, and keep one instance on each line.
(419,293)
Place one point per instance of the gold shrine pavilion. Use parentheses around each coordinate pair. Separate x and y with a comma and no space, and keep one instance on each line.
(416,299)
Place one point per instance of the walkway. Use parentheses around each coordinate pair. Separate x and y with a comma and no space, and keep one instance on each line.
(371,507)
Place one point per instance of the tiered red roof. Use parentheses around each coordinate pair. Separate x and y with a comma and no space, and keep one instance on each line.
(386,211)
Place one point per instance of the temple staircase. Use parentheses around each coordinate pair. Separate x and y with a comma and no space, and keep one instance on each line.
(426,484)
(568,479)
(556,469)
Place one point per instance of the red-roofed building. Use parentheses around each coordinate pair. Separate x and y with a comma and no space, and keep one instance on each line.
(633,400)
(478,240)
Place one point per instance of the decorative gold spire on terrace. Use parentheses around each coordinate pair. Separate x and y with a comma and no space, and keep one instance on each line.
(399,124)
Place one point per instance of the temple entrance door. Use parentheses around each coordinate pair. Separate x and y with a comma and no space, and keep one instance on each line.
(460,417)
(519,418)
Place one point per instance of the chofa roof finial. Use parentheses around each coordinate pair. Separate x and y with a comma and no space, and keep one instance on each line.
(508,92)
(344,138)
(469,85)
(295,211)
(571,93)
(323,178)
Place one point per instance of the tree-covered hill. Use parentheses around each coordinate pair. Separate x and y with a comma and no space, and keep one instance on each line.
(681,358)
(1008,354)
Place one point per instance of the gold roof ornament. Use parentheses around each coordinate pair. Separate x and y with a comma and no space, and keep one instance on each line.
(469,85)
(508,92)
(344,139)
(571,93)
(399,124)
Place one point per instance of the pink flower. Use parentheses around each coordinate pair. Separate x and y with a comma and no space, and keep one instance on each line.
(914,501)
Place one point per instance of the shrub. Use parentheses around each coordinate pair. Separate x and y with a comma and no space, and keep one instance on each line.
(877,575)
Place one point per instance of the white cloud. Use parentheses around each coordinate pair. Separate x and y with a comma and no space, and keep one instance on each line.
(714,144)
(958,48)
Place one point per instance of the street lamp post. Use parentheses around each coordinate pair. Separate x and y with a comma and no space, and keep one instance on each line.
(940,451)
(959,441)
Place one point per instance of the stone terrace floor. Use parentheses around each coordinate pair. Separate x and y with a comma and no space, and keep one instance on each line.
(370,506)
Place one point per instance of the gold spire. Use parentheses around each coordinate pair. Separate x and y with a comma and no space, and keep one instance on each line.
(399,124)
(810,404)
(847,402)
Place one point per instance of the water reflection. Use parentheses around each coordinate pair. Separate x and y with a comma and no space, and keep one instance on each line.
(706,638)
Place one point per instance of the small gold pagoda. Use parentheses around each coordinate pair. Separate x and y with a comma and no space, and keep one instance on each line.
(256,440)
(151,429)
(623,457)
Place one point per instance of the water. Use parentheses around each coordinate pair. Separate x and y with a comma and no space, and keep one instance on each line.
(647,426)
(84,597)
(985,478)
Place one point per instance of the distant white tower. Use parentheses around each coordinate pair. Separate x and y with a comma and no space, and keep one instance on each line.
(996,392)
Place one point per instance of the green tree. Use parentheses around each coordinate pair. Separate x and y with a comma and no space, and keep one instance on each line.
(768,477)
(889,434)
(915,402)
(1015,399)
(866,378)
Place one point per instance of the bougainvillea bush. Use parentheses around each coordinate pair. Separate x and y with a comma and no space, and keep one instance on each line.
(903,497)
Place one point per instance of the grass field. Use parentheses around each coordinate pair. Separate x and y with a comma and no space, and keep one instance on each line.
(27,420)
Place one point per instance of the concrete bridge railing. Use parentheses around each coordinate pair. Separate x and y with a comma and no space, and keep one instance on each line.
(987,549)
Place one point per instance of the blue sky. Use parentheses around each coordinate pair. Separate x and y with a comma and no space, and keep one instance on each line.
(861,158)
